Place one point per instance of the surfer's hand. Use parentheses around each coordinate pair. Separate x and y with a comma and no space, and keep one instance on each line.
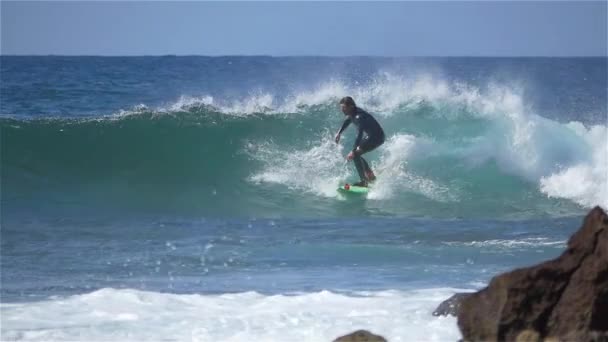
(337,138)
(351,155)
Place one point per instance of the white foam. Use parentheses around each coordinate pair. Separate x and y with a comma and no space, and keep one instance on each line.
(186,102)
(393,175)
(586,181)
(565,160)
(383,94)
(512,244)
(321,168)
(113,315)
(318,169)
(256,103)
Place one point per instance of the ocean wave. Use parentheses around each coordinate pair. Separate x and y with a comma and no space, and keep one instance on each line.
(449,145)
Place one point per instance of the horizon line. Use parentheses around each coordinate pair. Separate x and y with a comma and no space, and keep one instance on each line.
(300,56)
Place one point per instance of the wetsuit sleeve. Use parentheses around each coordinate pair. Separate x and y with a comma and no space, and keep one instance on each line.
(344,125)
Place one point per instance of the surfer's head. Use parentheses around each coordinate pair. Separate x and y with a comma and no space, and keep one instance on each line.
(348,106)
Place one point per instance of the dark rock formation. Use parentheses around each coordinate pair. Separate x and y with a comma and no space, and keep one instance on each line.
(451,305)
(360,336)
(565,298)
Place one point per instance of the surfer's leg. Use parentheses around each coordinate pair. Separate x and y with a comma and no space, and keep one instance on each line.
(359,164)
(369,174)
(366,167)
(366,146)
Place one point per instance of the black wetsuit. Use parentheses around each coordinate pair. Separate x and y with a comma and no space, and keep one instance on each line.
(374,137)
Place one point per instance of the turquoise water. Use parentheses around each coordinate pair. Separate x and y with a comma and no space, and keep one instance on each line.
(196,198)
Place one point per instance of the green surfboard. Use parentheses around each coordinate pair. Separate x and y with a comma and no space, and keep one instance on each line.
(353,189)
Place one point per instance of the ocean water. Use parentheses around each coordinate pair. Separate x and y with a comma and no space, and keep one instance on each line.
(194,198)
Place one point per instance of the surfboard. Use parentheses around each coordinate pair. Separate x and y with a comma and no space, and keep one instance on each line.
(353,189)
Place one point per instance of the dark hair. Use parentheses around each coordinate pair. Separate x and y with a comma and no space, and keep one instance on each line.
(347,100)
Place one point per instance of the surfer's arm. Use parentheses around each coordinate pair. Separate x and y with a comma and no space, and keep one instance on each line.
(344,125)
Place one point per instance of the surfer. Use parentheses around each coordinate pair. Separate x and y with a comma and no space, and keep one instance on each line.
(374,137)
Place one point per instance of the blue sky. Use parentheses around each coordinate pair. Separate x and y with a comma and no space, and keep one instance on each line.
(422,28)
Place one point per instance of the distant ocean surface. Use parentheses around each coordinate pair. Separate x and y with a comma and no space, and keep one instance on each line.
(194,198)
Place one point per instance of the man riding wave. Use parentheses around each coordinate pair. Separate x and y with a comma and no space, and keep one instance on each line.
(370,135)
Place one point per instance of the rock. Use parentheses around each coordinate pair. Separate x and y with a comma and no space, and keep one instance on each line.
(528,336)
(451,305)
(360,336)
(562,299)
